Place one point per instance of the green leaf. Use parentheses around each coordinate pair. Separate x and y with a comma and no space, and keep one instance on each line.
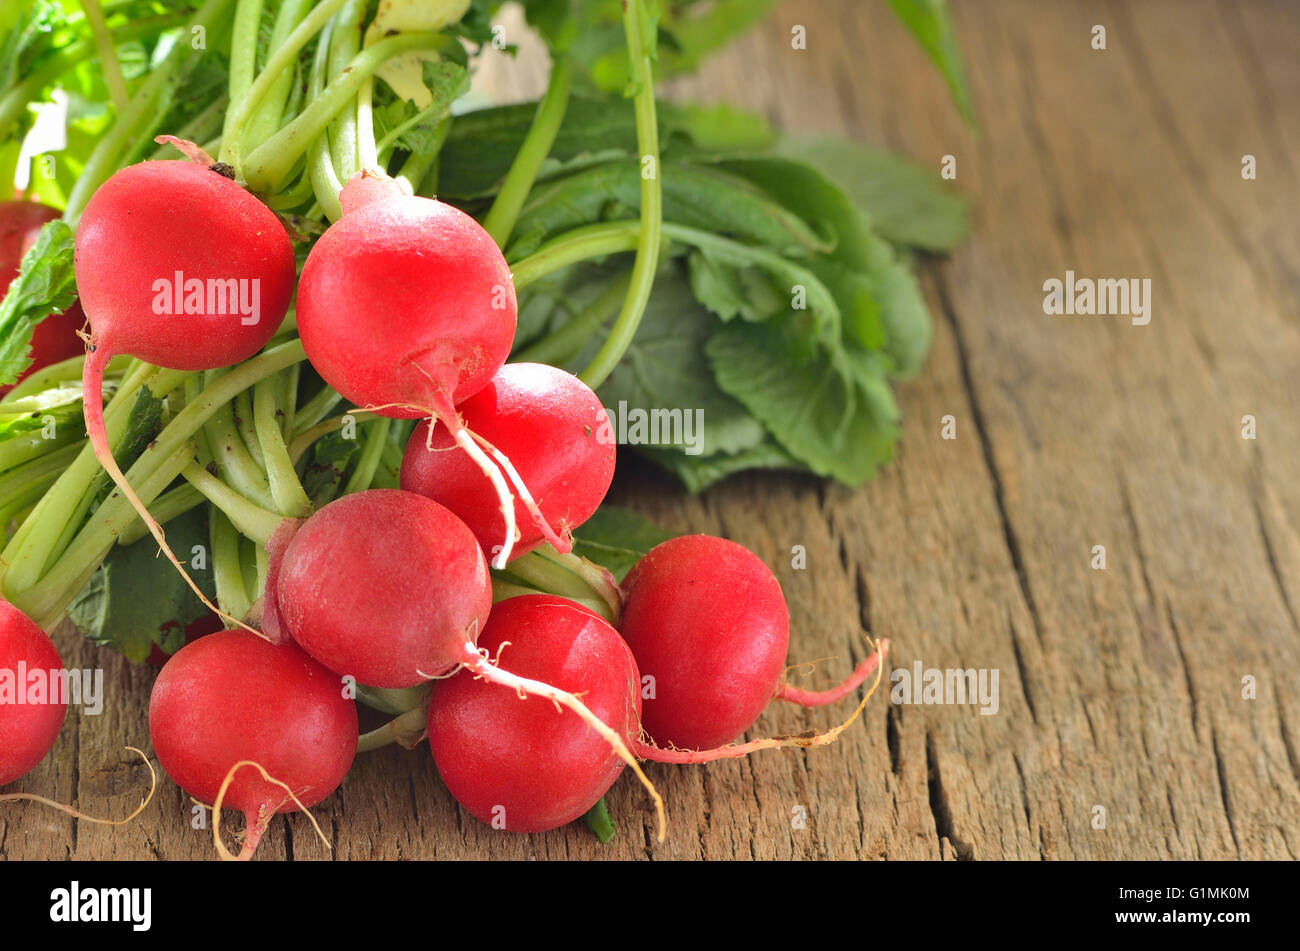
(875,292)
(617,538)
(665,369)
(135,599)
(931,24)
(906,202)
(835,412)
(44,285)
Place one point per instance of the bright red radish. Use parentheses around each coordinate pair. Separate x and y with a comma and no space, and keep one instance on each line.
(29,723)
(230,698)
(385,586)
(407,306)
(707,620)
(388,582)
(180,267)
(528,767)
(549,424)
(55,338)
(522,765)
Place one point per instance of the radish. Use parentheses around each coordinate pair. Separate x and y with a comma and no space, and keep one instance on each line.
(180,267)
(256,726)
(383,586)
(526,767)
(550,425)
(390,588)
(706,619)
(520,765)
(55,338)
(29,724)
(406,306)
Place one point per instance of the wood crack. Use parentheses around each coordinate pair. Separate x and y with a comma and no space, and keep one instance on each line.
(940,808)
(1223,789)
(986,448)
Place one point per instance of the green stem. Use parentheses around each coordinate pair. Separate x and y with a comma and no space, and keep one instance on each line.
(639,50)
(243,419)
(501,217)
(287,492)
(579,244)
(108,61)
(320,167)
(227,575)
(243,64)
(371,451)
(250,518)
(104,159)
(345,43)
(266,118)
(271,161)
(279,62)
(234,462)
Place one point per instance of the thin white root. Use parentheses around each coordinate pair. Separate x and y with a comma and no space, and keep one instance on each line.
(466,442)
(562,545)
(480,665)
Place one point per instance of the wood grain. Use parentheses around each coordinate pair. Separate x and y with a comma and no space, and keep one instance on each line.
(1120,688)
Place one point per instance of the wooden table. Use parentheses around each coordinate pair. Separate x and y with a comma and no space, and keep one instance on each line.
(1121,688)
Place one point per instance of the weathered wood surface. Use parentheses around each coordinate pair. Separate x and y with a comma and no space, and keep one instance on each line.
(1120,688)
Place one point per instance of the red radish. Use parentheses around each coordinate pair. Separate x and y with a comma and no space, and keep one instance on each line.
(232,698)
(550,425)
(521,765)
(384,586)
(527,767)
(406,306)
(55,338)
(707,620)
(29,723)
(180,267)
(386,582)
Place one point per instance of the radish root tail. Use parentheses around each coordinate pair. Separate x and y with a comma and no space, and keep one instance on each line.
(144,803)
(649,751)
(255,827)
(819,698)
(482,667)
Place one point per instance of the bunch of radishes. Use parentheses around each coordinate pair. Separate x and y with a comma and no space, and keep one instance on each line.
(406,307)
